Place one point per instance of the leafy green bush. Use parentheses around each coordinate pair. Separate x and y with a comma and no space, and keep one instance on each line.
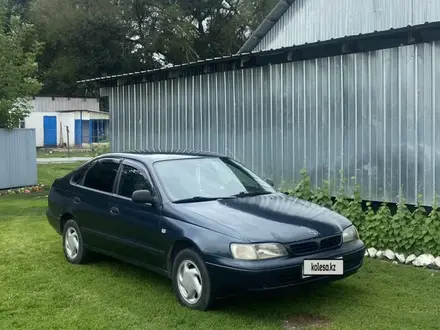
(376,228)
(100,149)
(404,231)
(322,196)
(303,188)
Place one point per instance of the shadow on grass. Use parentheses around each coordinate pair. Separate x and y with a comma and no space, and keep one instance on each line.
(314,295)
(273,306)
(134,273)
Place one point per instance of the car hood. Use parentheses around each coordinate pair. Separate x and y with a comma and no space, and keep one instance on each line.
(270,218)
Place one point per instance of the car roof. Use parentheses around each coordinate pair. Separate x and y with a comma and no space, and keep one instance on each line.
(151,156)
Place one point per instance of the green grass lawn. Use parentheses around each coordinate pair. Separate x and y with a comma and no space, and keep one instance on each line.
(48,172)
(40,290)
(64,154)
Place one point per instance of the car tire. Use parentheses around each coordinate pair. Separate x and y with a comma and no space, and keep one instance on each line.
(73,244)
(191,281)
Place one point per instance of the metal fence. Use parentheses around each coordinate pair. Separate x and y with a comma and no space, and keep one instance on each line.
(18,161)
(372,115)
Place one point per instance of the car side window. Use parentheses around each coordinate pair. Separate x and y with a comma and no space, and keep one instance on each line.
(131,180)
(79,174)
(101,176)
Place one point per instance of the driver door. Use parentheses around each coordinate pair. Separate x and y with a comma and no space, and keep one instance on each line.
(137,225)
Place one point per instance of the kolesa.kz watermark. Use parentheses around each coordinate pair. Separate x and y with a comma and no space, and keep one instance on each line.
(323,267)
(318,267)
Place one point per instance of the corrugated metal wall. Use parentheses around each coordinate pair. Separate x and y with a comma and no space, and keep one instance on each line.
(372,115)
(18,161)
(318,20)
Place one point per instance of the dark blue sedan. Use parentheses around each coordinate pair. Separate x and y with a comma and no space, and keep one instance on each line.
(204,220)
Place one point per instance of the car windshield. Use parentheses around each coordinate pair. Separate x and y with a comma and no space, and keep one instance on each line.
(207,178)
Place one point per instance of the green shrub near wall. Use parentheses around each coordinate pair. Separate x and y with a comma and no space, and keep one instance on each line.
(100,149)
(405,231)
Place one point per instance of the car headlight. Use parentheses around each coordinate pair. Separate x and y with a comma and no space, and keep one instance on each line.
(257,251)
(350,234)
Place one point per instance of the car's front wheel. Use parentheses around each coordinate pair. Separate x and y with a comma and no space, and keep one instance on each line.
(191,281)
(73,245)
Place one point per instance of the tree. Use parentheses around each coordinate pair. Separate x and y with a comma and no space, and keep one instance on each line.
(90,38)
(221,26)
(18,69)
(83,39)
(156,28)
(180,31)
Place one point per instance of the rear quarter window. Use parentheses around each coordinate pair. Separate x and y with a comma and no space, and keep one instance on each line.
(78,175)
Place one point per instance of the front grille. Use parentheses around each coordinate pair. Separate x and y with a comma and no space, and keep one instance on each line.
(304,248)
(315,245)
(330,242)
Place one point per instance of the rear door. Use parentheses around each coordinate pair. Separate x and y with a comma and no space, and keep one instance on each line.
(137,225)
(91,199)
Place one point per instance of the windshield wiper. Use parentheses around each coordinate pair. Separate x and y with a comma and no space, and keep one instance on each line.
(249,194)
(200,199)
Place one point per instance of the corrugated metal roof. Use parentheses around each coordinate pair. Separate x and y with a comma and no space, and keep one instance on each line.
(313,20)
(60,104)
(320,48)
(277,12)
(83,110)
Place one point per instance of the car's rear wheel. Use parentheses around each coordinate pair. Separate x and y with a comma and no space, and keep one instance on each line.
(73,244)
(191,281)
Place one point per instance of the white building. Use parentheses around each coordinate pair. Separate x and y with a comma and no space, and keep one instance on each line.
(53,117)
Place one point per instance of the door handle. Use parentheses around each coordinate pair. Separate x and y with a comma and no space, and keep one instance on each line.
(76,200)
(114,211)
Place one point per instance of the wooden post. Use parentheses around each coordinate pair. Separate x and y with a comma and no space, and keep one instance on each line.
(68,142)
(61,135)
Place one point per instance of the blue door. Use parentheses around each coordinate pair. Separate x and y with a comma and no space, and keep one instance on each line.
(78,132)
(50,131)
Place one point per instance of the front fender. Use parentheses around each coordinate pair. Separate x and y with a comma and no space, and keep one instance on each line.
(207,241)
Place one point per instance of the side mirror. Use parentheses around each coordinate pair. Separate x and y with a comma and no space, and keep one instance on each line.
(270,181)
(142,197)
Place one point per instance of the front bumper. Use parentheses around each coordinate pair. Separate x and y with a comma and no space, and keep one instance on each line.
(229,275)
